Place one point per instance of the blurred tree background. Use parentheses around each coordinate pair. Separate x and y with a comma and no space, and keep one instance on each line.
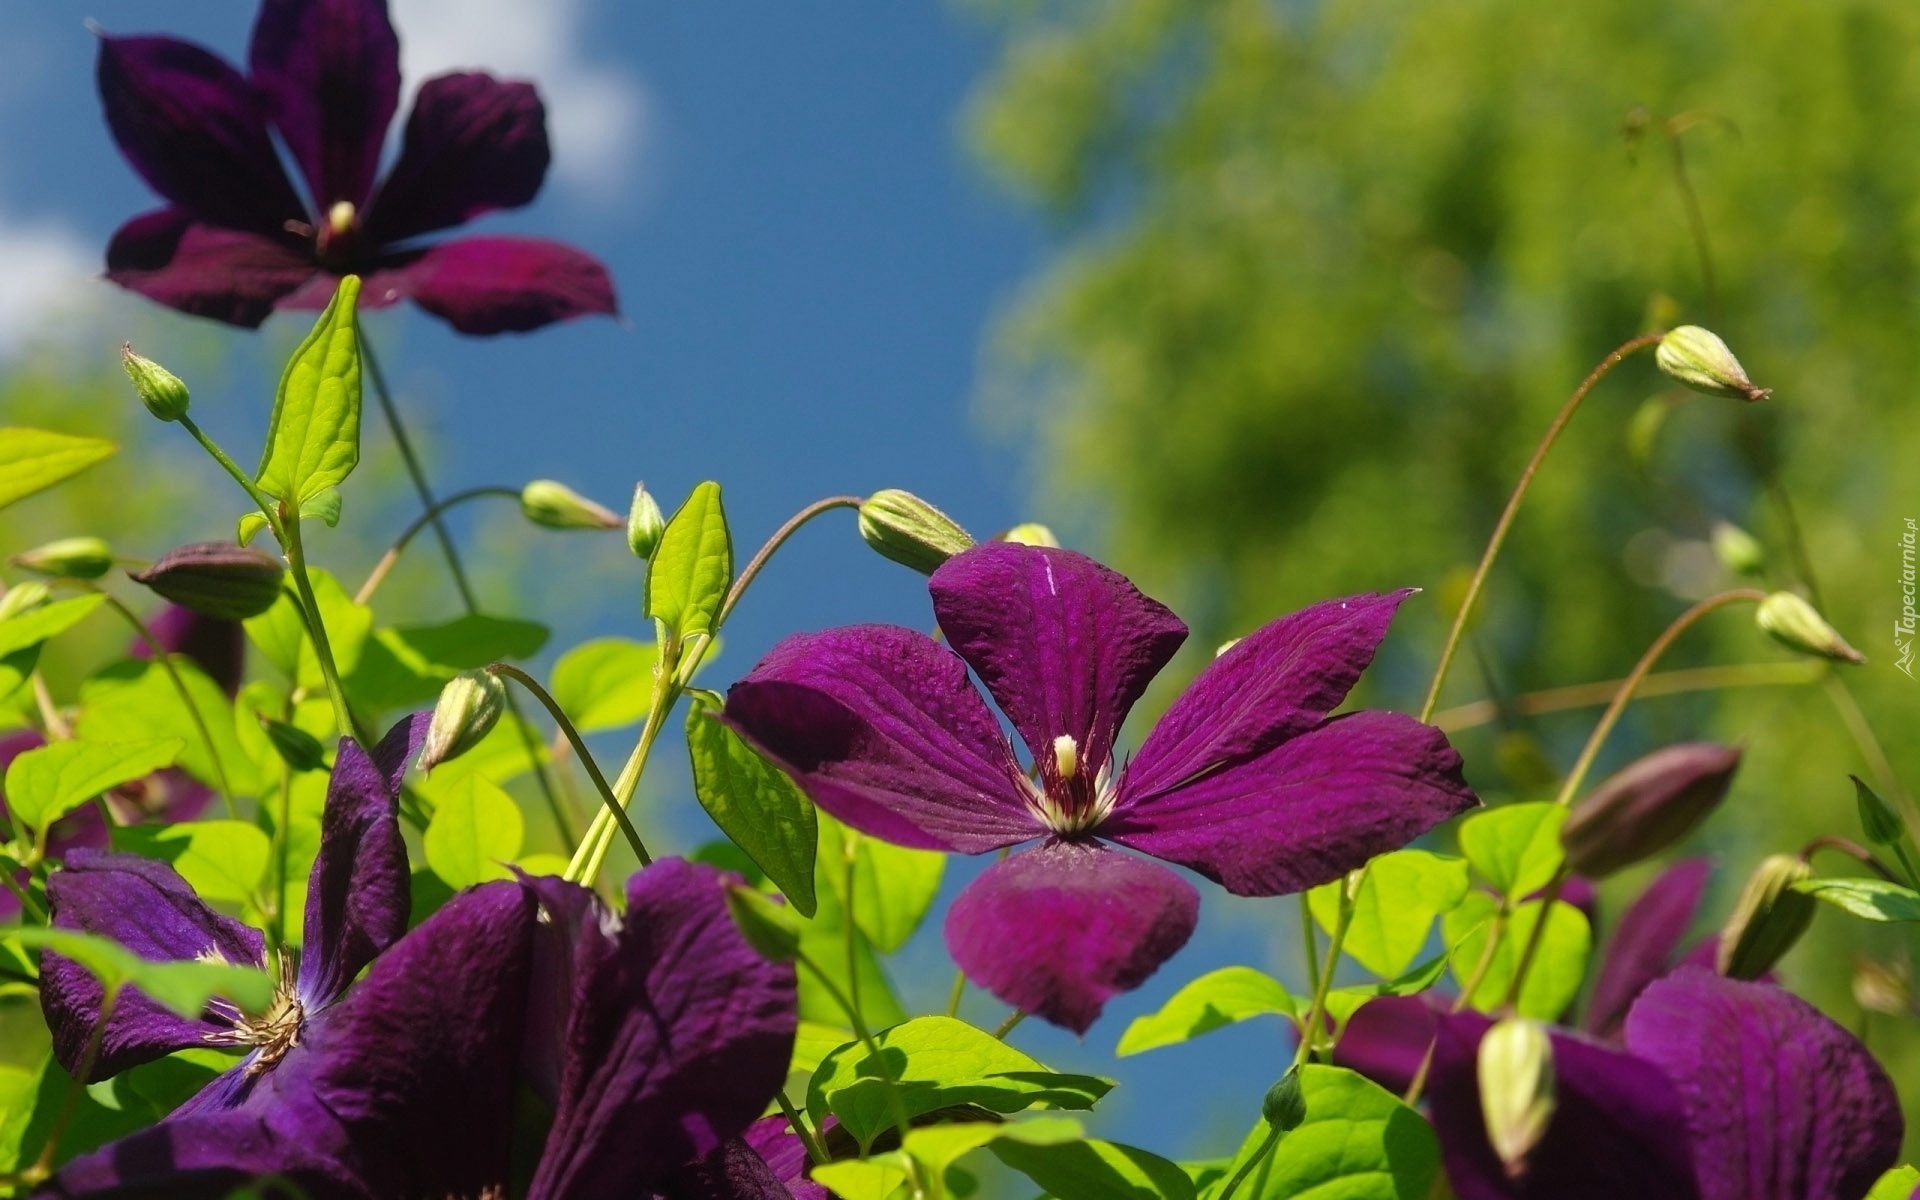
(1326,271)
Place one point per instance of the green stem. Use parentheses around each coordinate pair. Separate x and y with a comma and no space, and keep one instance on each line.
(849,852)
(572,735)
(1696,222)
(894,1100)
(802,1129)
(592,850)
(773,544)
(316,627)
(1310,940)
(959,991)
(1660,683)
(1010,1024)
(240,477)
(27,903)
(431,516)
(1317,1010)
(1247,1168)
(1536,936)
(160,655)
(43,1166)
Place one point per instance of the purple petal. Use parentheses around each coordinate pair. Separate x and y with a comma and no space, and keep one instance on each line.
(882,727)
(570,920)
(1617,1128)
(1065,645)
(206,270)
(733,1171)
(1306,812)
(330,73)
(359,893)
(1274,684)
(146,907)
(775,1141)
(198,1157)
(488,285)
(216,646)
(1057,930)
(195,131)
(1783,1104)
(680,1036)
(473,144)
(1387,1039)
(1647,945)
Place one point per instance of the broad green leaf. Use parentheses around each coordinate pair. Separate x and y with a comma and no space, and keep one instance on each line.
(223,860)
(937,1062)
(754,803)
(15,669)
(1558,966)
(138,700)
(690,571)
(864,1178)
(544,864)
(45,784)
(1090,1169)
(184,986)
(1395,909)
(324,507)
(605,684)
(1897,1184)
(313,439)
(813,1041)
(1873,899)
(893,887)
(405,667)
(36,625)
(1515,847)
(281,634)
(32,460)
(18,1083)
(476,830)
(1213,1001)
(1359,1142)
(824,940)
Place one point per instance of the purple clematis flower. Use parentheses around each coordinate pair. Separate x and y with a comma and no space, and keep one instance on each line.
(1725,1091)
(1246,779)
(236,240)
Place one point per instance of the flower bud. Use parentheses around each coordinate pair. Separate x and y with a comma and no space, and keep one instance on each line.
(1030,533)
(1738,551)
(1768,919)
(903,527)
(769,927)
(71,558)
(557,506)
(1877,819)
(1285,1106)
(295,746)
(1646,807)
(645,522)
(1794,623)
(468,708)
(158,388)
(1515,1067)
(23,597)
(216,579)
(1699,359)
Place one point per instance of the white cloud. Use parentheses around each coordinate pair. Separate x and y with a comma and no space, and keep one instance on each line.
(596,111)
(48,281)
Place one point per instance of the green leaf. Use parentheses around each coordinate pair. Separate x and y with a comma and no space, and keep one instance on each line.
(1359,1142)
(1897,1184)
(323,507)
(754,803)
(476,830)
(1873,899)
(313,439)
(1213,1001)
(223,860)
(36,625)
(864,1178)
(1558,966)
(813,1041)
(1515,847)
(824,940)
(1090,1169)
(135,699)
(400,668)
(691,569)
(32,460)
(46,783)
(893,887)
(1395,909)
(938,1062)
(605,684)
(281,634)
(183,986)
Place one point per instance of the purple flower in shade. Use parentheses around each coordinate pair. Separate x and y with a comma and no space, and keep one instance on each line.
(235,240)
(1725,1091)
(1246,779)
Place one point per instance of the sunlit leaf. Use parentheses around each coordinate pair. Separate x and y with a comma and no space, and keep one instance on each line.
(1873,899)
(1402,894)
(1358,1142)
(36,625)
(313,438)
(32,460)
(605,684)
(753,802)
(46,783)
(476,831)
(225,861)
(1558,966)
(1213,1001)
(893,887)
(691,569)
(1515,847)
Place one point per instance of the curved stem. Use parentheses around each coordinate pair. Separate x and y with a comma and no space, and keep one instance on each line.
(43,1166)
(901,1121)
(1317,1010)
(1247,1168)
(849,851)
(580,751)
(816,1153)
(317,628)
(430,517)
(1010,1024)
(773,544)
(165,660)
(1660,683)
(959,991)
(1853,850)
(27,903)
(592,851)
(1505,523)
(1536,936)
(232,468)
(1870,748)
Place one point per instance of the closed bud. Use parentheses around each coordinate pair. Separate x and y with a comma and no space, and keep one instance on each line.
(23,598)
(1794,623)
(468,709)
(216,579)
(1738,551)
(1030,533)
(1647,807)
(770,928)
(295,746)
(903,527)
(1517,1096)
(557,506)
(1285,1106)
(158,388)
(1877,818)
(645,522)
(1699,359)
(1768,919)
(70,558)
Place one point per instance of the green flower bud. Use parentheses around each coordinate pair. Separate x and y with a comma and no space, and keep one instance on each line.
(1285,1106)
(903,527)
(1794,623)
(158,388)
(1031,533)
(468,709)
(1699,359)
(557,506)
(70,558)
(1646,807)
(1738,551)
(1767,920)
(216,579)
(295,746)
(1517,1100)
(645,522)
(23,598)
(770,928)
(1877,819)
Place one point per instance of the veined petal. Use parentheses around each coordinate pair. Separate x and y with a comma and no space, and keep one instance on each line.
(195,131)
(473,144)
(733,1171)
(680,1035)
(330,73)
(1065,645)
(1057,930)
(228,275)
(1277,682)
(882,727)
(359,892)
(1647,945)
(1307,811)
(197,1157)
(146,907)
(775,1141)
(1783,1104)
(488,285)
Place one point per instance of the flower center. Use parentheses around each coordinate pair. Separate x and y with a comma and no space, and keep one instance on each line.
(273,1032)
(1068,798)
(337,243)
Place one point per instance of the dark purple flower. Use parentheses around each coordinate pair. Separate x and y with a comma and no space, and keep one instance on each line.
(1246,779)
(217,646)
(236,240)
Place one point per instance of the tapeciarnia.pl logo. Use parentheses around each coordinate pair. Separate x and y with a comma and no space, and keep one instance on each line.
(1904,641)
